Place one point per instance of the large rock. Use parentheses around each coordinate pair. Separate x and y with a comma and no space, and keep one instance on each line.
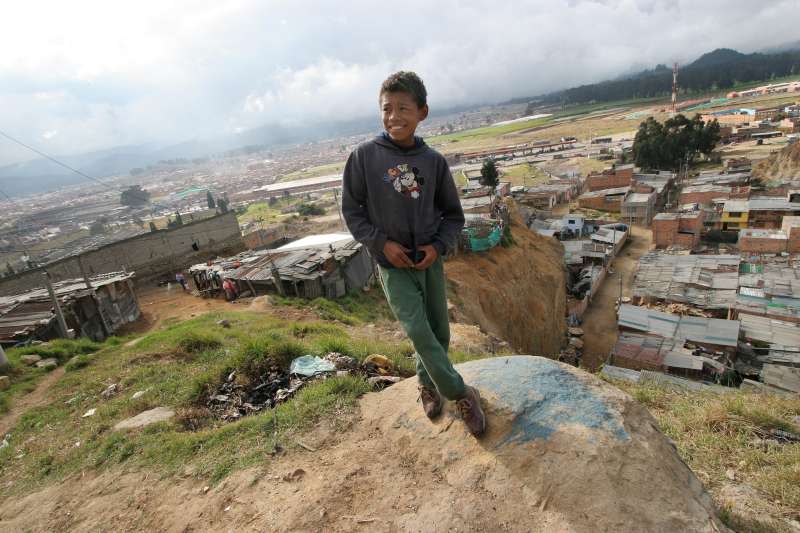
(48,363)
(30,359)
(564,451)
(145,418)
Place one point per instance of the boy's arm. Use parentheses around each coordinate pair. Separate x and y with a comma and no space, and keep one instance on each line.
(354,206)
(452,214)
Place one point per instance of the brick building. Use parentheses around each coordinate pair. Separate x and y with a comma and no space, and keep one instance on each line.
(604,200)
(611,178)
(762,241)
(704,194)
(677,229)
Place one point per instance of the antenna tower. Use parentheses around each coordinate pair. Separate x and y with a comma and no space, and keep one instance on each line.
(674,87)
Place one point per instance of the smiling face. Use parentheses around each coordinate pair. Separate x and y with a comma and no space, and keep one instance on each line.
(401,114)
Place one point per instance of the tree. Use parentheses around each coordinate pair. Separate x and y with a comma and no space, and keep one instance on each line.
(678,140)
(134,196)
(489,175)
(210,200)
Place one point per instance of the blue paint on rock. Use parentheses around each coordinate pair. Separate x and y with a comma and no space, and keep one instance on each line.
(542,397)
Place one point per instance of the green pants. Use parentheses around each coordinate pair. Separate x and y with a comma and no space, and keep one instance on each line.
(419,301)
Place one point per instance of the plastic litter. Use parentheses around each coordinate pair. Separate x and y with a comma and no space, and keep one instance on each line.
(310,365)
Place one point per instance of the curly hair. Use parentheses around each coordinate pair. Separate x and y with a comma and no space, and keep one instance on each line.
(406,82)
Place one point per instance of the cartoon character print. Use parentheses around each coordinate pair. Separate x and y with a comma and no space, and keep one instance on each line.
(405,180)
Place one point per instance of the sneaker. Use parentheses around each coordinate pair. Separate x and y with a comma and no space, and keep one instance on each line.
(431,401)
(470,408)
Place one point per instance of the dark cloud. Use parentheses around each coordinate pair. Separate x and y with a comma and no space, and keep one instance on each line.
(95,76)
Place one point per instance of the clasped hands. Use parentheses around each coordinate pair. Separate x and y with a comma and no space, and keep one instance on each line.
(397,255)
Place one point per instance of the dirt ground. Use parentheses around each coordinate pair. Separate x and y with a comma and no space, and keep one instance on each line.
(600,320)
(394,470)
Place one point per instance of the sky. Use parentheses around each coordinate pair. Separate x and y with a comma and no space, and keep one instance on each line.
(85,75)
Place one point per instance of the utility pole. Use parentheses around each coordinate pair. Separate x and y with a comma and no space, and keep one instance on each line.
(338,209)
(62,324)
(83,273)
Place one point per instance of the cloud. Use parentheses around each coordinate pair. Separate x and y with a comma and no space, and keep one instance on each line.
(104,73)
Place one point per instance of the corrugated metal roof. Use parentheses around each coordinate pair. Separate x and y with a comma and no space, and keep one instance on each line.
(703,330)
(778,334)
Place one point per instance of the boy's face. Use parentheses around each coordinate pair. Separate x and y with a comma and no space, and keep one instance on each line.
(401,114)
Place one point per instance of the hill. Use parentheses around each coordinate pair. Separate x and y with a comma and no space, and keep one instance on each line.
(717,70)
(780,167)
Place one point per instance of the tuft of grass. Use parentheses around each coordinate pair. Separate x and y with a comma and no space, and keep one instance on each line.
(78,362)
(60,349)
(194,342)
(715,433)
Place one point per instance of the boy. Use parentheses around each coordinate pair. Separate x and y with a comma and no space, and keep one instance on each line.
(399,200)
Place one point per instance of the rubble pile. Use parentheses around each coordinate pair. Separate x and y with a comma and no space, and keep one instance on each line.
(235,398)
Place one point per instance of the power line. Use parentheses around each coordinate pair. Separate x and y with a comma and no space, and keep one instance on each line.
(56,161)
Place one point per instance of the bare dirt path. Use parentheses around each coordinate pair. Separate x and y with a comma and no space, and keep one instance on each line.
(600,320)
(28,401)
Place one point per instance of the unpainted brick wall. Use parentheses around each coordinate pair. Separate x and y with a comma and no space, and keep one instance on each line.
(150,254)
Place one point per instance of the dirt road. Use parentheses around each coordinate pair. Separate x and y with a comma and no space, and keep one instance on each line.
(600,320)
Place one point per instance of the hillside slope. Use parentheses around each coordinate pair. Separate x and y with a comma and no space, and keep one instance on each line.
(785,165)
(516,293)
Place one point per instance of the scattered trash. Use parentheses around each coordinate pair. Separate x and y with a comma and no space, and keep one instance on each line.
(110,391)
(342,362)
(139,394)
(71,400)
(310,365)
(3,444)
(378,364)
(78,444)
(234,398)
(295,475)
(224,323)
(381,382)
(228,508)
(89,413)
(206,489)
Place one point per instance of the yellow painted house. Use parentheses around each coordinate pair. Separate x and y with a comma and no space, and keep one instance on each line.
(735,214)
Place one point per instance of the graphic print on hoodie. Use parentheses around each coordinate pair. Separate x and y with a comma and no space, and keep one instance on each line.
(406,195)
(405,180)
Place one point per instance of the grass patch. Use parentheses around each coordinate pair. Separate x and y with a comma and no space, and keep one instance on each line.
(717,433)
(43,445)
(352,309)
(487,132)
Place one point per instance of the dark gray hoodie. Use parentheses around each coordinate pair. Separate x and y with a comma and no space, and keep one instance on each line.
(404,195)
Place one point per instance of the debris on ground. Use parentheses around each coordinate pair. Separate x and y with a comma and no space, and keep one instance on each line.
(379,364)
(381,382)
(235,398)
(224,323)
(89,413)
(110,391)
(310,365)
(139,394)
